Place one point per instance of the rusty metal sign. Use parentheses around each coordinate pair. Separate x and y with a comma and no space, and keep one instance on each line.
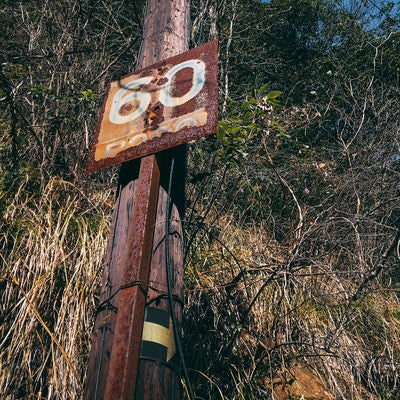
(158,107)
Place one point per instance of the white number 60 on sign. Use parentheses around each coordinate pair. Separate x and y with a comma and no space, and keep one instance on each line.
(127,98)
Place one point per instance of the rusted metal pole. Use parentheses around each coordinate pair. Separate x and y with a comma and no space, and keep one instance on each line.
(135,274)
(114,354)
(166,33)
(124,358)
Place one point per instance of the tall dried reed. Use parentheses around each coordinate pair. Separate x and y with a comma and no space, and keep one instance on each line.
(51,253)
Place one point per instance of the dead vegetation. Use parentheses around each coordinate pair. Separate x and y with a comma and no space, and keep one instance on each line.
(292,225)
(282,327)
(51,254)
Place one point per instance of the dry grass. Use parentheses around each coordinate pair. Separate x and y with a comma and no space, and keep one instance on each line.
(257,313)
(260,314)
(51,252)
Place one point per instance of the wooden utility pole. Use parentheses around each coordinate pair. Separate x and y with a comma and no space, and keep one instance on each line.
(135,276)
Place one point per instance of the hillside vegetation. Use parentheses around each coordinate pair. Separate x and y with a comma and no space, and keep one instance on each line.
(292,225)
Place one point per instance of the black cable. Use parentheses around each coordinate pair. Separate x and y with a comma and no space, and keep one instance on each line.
(106,304)
(178,342)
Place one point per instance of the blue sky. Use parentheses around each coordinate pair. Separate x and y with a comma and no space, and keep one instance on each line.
(375,7)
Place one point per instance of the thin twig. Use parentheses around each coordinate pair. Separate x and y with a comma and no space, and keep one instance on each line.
(379,267)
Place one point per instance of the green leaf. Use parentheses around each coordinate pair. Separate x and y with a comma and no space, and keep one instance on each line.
(263,89)
(274,94)
(250,102)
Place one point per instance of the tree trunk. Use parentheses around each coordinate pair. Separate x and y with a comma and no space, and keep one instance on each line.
(115,371)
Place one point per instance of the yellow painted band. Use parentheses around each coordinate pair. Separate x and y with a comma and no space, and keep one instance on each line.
(159,334)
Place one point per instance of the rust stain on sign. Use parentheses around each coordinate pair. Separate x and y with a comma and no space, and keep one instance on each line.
(158,107)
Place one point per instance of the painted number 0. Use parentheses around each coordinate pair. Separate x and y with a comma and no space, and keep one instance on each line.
(123,98)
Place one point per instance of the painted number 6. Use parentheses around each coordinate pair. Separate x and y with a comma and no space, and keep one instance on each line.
(124,96)
(122,101)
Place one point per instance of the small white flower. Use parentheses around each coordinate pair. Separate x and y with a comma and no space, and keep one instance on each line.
(313,93)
